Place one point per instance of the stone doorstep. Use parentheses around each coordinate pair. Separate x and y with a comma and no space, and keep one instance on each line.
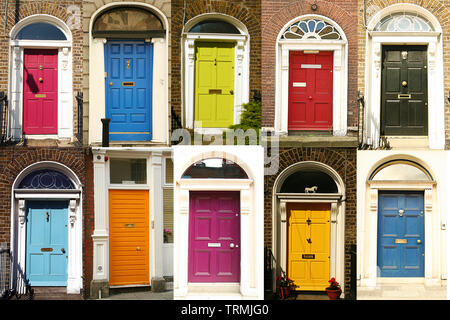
(54,293)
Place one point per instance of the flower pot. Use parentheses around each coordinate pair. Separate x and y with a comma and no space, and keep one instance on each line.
(334,294)
(283,292)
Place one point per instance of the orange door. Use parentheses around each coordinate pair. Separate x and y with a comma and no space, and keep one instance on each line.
(128,237)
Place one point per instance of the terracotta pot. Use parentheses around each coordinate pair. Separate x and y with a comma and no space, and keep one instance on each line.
(334,294)
(283,292)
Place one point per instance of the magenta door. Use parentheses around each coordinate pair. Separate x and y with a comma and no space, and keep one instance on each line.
(214,237)
(40,91)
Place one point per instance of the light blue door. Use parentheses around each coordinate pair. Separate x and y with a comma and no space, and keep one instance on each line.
(128,83)
(401,234)
(46,247)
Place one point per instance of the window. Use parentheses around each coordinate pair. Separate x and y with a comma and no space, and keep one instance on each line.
(311,29)
(401,171)
(46,179)
(169,171)
(40,31)
(214,168)
(128,171)
(128,22)
(214,26)
(404,22)
(309,182)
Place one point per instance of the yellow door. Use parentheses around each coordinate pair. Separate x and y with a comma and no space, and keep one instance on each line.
(309,245)
(214,84)
(128,237)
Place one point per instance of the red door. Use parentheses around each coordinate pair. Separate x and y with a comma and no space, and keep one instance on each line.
(310,91)
(214,237)
(40,91)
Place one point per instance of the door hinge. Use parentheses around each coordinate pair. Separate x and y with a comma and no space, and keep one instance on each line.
(106,74)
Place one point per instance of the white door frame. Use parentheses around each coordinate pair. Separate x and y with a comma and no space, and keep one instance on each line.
(65,96)
(241,70)
(75,227)
(435,73)
(340,75)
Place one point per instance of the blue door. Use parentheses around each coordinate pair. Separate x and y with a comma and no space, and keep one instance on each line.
(46,247)
(129,73)
(401,245)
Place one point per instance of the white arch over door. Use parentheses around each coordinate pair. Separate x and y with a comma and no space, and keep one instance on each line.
(242,66)
(19,223)
(374,42)
(340,73)
(65,90)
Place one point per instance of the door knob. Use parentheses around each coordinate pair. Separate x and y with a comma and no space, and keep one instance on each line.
(419,241)
(404,83)
(310,97)
(400,212)
(231,245)
(231,92)
(63,250)
(40,79)
(138,248)
(110,83)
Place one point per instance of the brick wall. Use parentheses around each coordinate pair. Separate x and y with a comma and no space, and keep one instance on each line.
(246,11)
(275,15)
(440,9)
(64,10)
(14,159)
(343,160)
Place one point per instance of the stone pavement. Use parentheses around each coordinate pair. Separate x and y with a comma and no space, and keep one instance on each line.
(141,294)
(402,292)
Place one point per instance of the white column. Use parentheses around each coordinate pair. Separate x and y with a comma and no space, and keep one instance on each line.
(284,99)
(100,235)
(74,255)
(21,244)
(156,201)
(189,82)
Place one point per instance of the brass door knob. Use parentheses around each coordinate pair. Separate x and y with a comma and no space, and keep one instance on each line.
(110,83)
(404,83)
(40,79)
(138,248)
(419,241)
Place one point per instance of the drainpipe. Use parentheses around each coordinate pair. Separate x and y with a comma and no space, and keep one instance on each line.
(105,132)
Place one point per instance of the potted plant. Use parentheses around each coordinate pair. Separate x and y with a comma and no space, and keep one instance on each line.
(285,286)
(334,290)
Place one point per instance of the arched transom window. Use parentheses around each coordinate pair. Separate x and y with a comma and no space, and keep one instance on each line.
(400,170)
(46,179)
(315,29)
(309,181)
(214,26)
(40,31)
(404,22)
(214,168)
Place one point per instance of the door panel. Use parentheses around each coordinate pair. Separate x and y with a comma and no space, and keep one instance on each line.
(214,237)
(47,246)
(214,84)
(309,245)
(129,85)
(401,234)
(40,91)
(310,91)
(404,91)
(129,237)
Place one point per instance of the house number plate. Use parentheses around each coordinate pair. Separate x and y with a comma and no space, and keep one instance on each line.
(308,256)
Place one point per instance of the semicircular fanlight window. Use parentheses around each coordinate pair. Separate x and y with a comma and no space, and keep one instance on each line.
(214,26)
(214,168)
(313,181)
(311,29)
(46,179)
(404,22)
(401,172)
(40,31)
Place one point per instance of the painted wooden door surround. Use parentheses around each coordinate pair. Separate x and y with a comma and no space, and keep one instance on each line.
(47,243)
(128,82)
(129,237)
(309,245)
(214,84)
(214,237)
(40,91)
(401,244)
(404,95)
(310,90)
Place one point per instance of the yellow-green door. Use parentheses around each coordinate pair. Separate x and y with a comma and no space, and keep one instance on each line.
(309,245)
(214,84)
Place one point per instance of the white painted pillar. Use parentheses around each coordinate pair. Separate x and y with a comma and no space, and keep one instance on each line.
(156,213)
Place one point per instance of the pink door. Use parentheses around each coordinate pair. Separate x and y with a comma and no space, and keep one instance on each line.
(40,91)
(214,237)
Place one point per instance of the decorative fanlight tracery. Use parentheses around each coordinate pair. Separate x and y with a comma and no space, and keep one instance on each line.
(314,29)
(404,22)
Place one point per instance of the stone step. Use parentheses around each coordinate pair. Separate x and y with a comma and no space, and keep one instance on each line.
(54,293)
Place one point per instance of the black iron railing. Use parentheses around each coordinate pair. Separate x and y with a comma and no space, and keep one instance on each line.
(79,134)
(17,289)
(3,118)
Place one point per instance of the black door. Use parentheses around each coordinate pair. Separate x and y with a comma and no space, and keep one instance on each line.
(404,98)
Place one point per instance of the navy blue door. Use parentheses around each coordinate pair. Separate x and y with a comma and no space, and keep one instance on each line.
(47,246)
(401,234)
(129,74)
